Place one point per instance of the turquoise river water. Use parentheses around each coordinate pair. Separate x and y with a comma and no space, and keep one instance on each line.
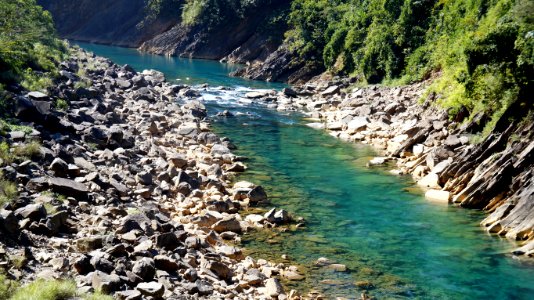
(394,243)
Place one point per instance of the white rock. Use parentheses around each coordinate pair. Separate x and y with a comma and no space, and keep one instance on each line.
(273,288)
(418,149)
(357,124)
(316,125)
(430,181)
(438,195)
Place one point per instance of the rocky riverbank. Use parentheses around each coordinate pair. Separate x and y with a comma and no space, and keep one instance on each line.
(128,192)
(446,156)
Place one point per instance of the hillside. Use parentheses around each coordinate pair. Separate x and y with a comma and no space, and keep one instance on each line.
(236,31)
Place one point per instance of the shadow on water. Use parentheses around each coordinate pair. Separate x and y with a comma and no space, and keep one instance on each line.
(393,242)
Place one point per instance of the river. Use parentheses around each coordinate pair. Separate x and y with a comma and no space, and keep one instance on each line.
(394,243)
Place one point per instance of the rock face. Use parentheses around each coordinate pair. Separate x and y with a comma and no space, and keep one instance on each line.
(247,36)
(108,22)
(281,65)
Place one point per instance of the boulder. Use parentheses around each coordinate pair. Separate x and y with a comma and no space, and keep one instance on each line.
(220,269)
(357,124)
(438,195)
(144,268)
(430,181)
(33,212)
(227,224)
(331,90)
(59,167)
(88,244)
(68,187)
(165,263)
(151,289)
(168,241)
(289,92)
(129,295)
(273,288)
(257,195)
(38,96)
(82,265)
(105,283)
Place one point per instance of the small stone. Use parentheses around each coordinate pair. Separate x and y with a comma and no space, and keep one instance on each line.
(129,295)
(105,283)
(338,267)
(165,263)
(152,289)
(144,268)
(228,224)
(168,241)
(273,288)
(88,244)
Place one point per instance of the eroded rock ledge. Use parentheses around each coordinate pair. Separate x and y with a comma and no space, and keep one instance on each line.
(442,154)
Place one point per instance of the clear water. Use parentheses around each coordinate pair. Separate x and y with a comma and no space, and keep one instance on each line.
(377,224)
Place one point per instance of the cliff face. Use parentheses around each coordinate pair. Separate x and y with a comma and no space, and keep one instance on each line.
(249,37)
(107,22)
(281,65)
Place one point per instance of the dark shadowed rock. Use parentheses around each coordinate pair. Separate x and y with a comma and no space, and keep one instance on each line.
(144,268)
(82,265)
(257,195)
(32,211)
(68,187)
(168,241)
(59,167)
(165,263)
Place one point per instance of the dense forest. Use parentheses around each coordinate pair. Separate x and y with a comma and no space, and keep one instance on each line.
(480,53)
(29,48)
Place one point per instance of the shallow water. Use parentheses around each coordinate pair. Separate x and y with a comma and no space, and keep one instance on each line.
(394,242)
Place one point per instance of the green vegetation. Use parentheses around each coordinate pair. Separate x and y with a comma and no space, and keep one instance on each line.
(8,192)
(480,52)
(45,290)
(10,154)
(7,287)
(61,104)
(29,49)
(18,261)
(159,9)
(211,13)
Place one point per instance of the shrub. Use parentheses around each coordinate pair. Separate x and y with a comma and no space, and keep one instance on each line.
(7,287)
(8,191)
(61,104)
(46,290)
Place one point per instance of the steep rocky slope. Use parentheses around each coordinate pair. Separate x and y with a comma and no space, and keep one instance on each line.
(107,22)
(251,36)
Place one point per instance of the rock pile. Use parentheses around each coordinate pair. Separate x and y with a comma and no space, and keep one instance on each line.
(130,192)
